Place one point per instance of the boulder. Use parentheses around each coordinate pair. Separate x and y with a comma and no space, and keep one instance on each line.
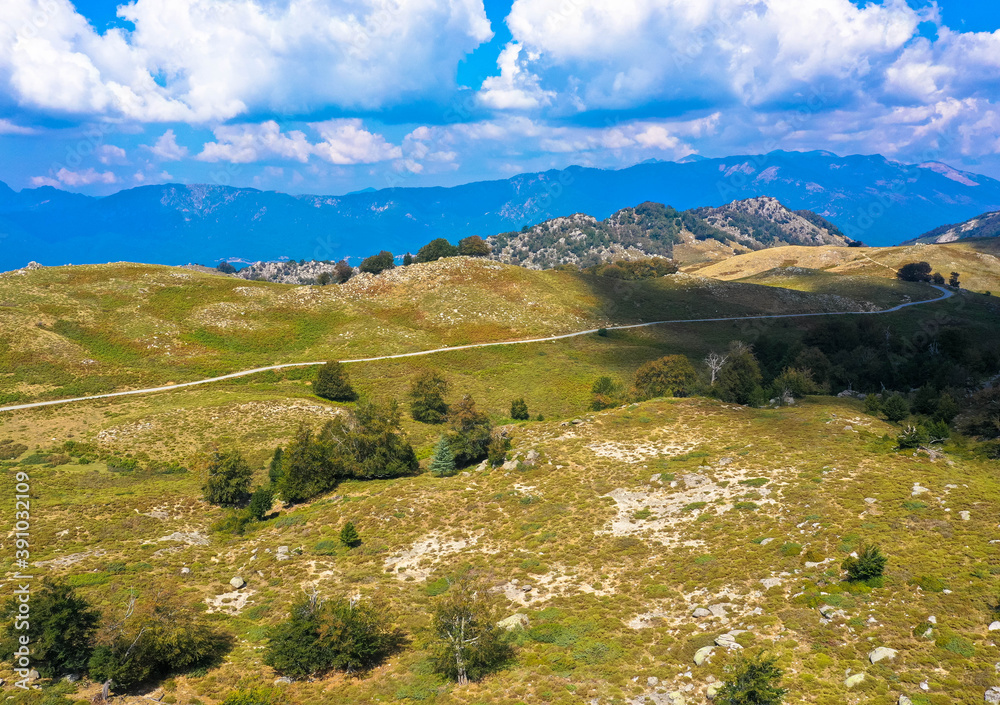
(71,677)
(284,680)
(966,516)
(691,480)
(185,571)
(769,583)
(711,691)
(717,610)
(33,675)
(652,681)
(766,541)
(701,613)
(703,654)
(532,457)
(515,621)
(882,652)
(282,553)
(903,700)
(676,698)
(992,695)
(237,582)
(994,626)
(854,680)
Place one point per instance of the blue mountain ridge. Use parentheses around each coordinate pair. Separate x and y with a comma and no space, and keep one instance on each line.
(869,197)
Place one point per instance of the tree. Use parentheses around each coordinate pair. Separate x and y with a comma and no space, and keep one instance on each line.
(155,634)
(345,635)
(342,271)
(519,410)
(376,264)
(427,403)
(62,626)
(467,643)
(914,272)
(937,279)
(261,503)
(795,382)
(226,268)
(274,471)
(953,280)
(912,437)
(332,383)
(895,408)
(443,462)
(435,250)
(740,378)
(229,478)
(715,361)
(752,680)
(869,564)
(873,405)
(407,259)
(309,467)
(374,441)
(500,443)
(473,246)
(606,393)
(471,431)
(349,535)
(670,376)
(324,278)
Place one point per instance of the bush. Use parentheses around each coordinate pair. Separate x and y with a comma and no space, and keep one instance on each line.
(870,564)
(407,259)
(896,408)
(519,410)
(435,250)
(794,381)
(309,467)
(260,503)
(10,450)
(349,535)
(62,626)
(873,405)
(229,478)
(376,264)
(427,403)
(259,695)
(752,680)
(471,432)
(342,272)
(496,454)
(467,644)
(443,462)
(740,378)
(606,393)
(649,268)
(912,437)
(332,383)
(155,636)
(274,470)
(473,246)
(670,376)
(114,463)
(914,272)
(338,635)
(226,268)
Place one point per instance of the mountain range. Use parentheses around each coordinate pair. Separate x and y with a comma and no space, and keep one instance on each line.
(868,198)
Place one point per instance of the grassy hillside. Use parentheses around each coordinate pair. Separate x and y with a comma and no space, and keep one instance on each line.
(72,331)
(976,260)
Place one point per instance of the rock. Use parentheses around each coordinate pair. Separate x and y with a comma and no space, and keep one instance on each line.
(532,457)
(237,582)
(728,641)
(829,611)
(717,610)
(33,675)
(766,541)
(722,462)
(526,588)
(652,681)
(576,422)
(711,691)
(854,680)
(992,695)
(282,553)
(870,500)
(925,686)
(965,515)
(284,680)
(654,478)
(509,465)
(932,619)
(691,480)
(185,571)
(882,652)
(676,698)
(917,489)
(71,677)
(701,613)
(769,583)
(903,700)
(515,621)
(703,654)
(995,626)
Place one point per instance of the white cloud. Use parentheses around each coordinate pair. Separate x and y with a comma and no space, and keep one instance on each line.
(515,88)
(111,154)
(75,178)
(9,128)
(347,142)
(167,149)
(209,60)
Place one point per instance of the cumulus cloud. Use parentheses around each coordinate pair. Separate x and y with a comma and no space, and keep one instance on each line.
(206,60)
(347,142)
(515,88)
(65,177)
(111,154)
(167,149)
(9,128)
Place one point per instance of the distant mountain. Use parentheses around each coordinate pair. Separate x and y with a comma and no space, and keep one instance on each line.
(985,225)
(652,229)
(869,198)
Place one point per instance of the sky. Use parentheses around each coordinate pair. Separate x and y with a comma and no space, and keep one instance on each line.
(334,96)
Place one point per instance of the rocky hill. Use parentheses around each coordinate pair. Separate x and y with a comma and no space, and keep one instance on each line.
(985,225)
(759,223)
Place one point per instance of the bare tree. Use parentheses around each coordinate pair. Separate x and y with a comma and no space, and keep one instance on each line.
(715,361)
(469,644)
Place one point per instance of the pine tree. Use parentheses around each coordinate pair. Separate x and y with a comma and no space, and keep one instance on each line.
(229,478)
(753,680)
(519,410)
(349,535)
(443,462)
(332,383)
(427,403)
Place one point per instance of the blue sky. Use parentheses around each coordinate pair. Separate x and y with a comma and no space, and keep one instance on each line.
(331,96)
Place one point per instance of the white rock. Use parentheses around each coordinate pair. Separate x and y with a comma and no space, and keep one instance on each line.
(652,681)
(870,500)
(701,613)
(995,626)
(717,610)
(917,489)
(992,695)
(703,654)
(932,619)
(711,691)
(965,515)
(882,652)
(766,541)
(769,583)
(925,686)
(903,700)
(854,680)
(515,621)
(237,582)
(185,570)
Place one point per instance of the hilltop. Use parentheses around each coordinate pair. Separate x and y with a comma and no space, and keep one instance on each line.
(986,225)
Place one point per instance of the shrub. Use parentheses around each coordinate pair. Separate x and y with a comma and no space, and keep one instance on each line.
(471,432)
(873,404)
(740,377)
(869,564)
(606,394)
(752,680)
(928,583)
(435,250)
(649,268)
(374,440)
(156,635)
(443,462)
(519,410)
(427,403)
(332,383)
(342,272)
(500,443)
(274,470)
(114,463)
(953,280)
(473,246)
(309,467)
(407,259)
(260,503)
(914,272)
(896,408)
(226,268)
(670,376)
(10,450)
(340,635)
(259,695)
(467,644)
(62,626)
(349,535)
(376,264)
(794,381)
(912,437)
(229,478)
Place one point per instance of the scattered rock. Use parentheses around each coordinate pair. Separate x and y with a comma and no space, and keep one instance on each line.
(724,461)
(932,619)
(703,654)
(652,681)
(192,538)
(769,583)
(33,675)
(532,457)
(711,691)
(854,680)
(284,680)
(965,515)
(515,621)
(701,613)
(831,612)
(691,480)
(509,465)
(185,571)
(766,541)
(903,700)
(992,695)
(676,698)
(237,582)
(870,500)
(282,553)
(882,652)
(71,678)
(917,489)
(718,610)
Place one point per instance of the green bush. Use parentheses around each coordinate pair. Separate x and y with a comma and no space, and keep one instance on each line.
(332,383)
(376,264)
(896,408)
(260,503)
(519,410)
(443,461)
(670,376)
(739,379)
(470,432)
(435,250)
(606,394)
(341,635)
(496,453)
(327,547)
(10,450)
(869,565)
(791,549)
(427,403)
(929,583)
(752,680)
(473,246)
(259,695)
(229,478)
(349,535)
